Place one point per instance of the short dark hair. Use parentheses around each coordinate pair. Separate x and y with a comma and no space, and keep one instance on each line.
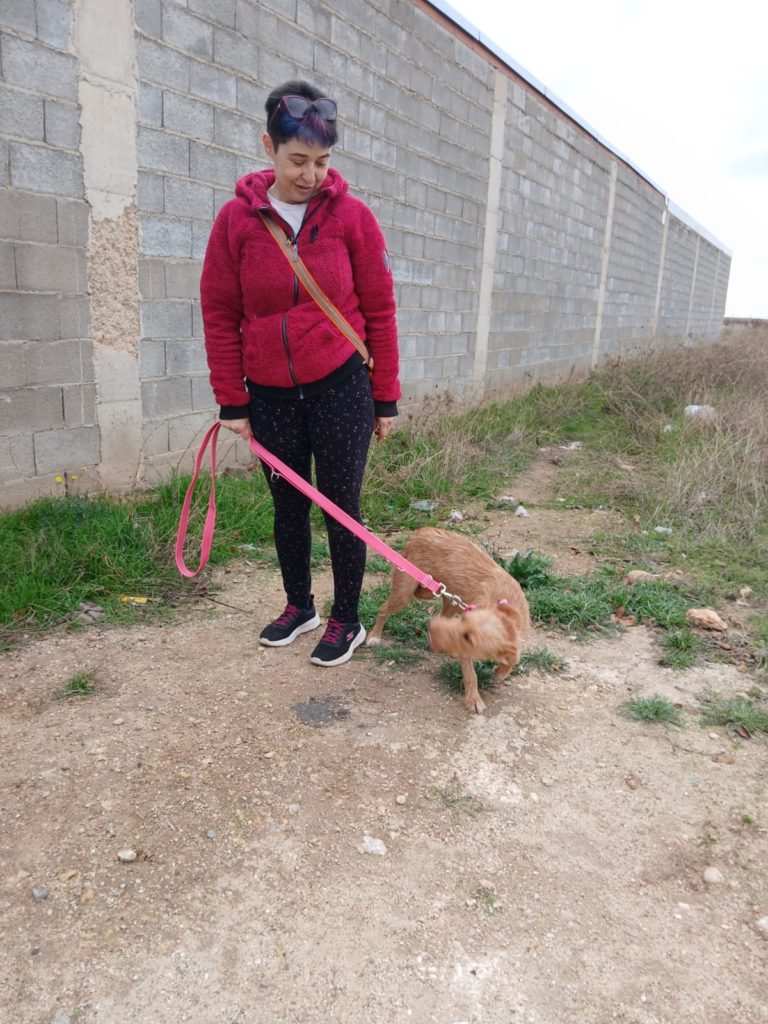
(281,126)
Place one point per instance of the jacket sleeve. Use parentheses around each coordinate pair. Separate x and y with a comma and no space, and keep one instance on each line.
(221,300)
(372,272)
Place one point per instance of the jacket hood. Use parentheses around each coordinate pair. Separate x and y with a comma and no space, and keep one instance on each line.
(253,187)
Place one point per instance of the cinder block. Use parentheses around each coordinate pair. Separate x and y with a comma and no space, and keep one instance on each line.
(250,99)
(182,280)
(185,198)
(158,151)
(162,399)
(163,319)
(161,65)
(74,317)
(150,105)
(200,235)
(79,405)
(32,65)
(27,216)
(151,359)
(212,84)
(59,451)
(202,396)
(17,457)
(148,17)
(53,362)
(24,409)
(185,357)
(12,361)
(161,236)
(152,279)
(186,432)
(39,169)
(155,438)
(186,32)
(25,317)
(54,22)
(190,117)
(18,16)
(7,267)
(207,163)
(233,51)
(21,114)
(220,11)
(150,193)
(236,131)
(44,268)
(62,125)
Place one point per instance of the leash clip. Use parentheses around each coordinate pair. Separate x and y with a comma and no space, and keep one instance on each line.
(454,599)
(274,477)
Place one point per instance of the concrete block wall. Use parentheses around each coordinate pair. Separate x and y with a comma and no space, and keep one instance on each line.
(524,248)
(47,402)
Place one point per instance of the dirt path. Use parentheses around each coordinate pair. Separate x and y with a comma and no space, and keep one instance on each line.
(544,864)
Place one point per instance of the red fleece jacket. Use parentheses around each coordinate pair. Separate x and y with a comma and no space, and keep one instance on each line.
(262,325)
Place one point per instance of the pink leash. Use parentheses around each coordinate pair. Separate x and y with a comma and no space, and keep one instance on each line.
(278,467)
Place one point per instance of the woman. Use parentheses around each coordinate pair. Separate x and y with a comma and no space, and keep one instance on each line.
(281,371)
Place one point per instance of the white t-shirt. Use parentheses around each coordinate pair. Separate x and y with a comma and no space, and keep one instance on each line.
(293,213)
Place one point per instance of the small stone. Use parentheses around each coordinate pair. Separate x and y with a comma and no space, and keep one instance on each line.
(371,845)
(294,808)
(713,876)
(66,876)
(61,1018)
(667,530)
(39,893)
(118,721)
(547,780)
(762,924)
(522,512)
(401,798)
(211,833)
(456,516)
(127,856)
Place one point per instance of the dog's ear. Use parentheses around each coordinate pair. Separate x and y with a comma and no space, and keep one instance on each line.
(511,620)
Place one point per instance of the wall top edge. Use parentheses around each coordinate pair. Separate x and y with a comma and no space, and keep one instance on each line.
(488,44)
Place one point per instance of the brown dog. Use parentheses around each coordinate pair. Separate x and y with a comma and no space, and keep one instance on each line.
(495,625)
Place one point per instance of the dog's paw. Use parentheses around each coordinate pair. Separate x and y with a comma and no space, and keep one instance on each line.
(373,641)
(474,704)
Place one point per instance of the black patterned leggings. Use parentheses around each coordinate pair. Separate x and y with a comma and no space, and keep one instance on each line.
(335,427)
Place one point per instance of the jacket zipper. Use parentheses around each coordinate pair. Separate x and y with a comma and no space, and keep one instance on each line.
(284,319)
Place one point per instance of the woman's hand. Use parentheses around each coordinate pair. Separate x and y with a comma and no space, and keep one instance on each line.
(382,425)
(241,427)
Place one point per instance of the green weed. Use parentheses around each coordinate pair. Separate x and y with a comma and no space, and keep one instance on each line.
(542,660)
(451,680)
(82,684)
(741,716)
(651,709)
(529,569)
(680,648)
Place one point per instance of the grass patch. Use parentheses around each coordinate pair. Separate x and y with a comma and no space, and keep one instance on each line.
(542,660)
(408,628)
(651,709)
(82,684)
(456,798)
(742,716)
(681,647)
(396,656)
(451,680)
(528,568)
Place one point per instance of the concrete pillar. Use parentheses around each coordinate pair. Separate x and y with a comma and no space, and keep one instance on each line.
(490,240)
(693,287)
(660,276)
(606,255)
(104,43)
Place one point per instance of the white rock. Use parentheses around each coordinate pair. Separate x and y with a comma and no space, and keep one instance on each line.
(762,924)
(127,856)
(456,516)
(401,799)
(522,512)
(371,845)
(713,876)
(663,529)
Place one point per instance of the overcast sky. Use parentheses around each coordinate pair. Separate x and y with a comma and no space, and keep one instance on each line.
(680,88)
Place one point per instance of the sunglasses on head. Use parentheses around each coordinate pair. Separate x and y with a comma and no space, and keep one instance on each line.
(299,107)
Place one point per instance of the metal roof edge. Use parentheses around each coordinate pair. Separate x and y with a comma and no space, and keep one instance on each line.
(487,43)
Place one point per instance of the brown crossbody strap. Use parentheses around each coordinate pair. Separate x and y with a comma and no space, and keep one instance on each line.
(337,318)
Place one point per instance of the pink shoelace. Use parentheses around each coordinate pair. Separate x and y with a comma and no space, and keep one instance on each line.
(285,618)
(333,631)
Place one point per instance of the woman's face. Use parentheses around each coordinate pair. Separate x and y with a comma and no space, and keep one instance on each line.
(300,169)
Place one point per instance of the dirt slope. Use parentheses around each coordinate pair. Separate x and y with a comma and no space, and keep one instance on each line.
(544,864)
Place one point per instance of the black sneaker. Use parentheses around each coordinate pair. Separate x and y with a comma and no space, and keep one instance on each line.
(339,641)
(292,623)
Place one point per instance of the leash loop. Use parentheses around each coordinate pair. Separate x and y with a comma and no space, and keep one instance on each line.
(454,599)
